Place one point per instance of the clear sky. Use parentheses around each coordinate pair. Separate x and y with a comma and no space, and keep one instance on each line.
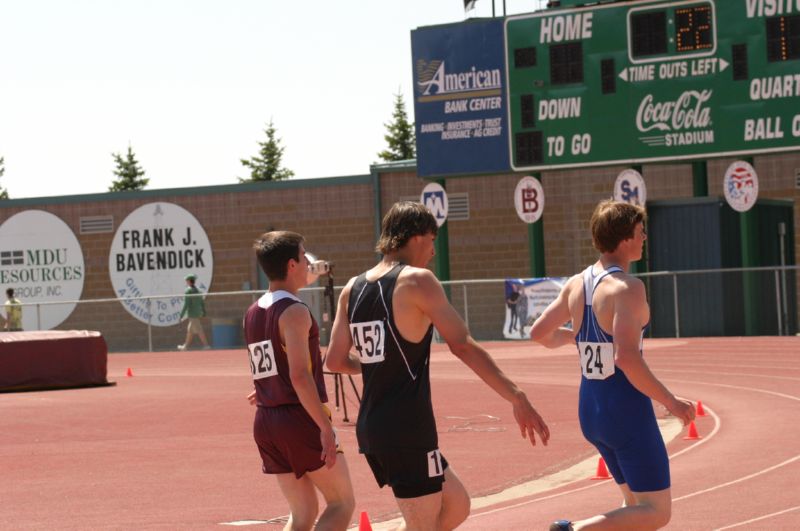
(190,84)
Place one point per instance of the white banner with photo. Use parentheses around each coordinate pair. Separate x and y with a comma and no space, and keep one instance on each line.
(526,299)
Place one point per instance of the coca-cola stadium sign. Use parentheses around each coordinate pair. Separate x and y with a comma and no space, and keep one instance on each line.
(649,81)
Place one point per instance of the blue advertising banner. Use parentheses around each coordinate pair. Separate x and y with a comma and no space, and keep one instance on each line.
(526,299)
(459,98)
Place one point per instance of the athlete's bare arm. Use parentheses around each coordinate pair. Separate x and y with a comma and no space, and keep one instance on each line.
(428,296)
(338,356)
(294,325)
(549,329)
(630,315)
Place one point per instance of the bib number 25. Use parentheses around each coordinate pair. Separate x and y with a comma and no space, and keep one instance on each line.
(597,360)
(262,360)
(368,341)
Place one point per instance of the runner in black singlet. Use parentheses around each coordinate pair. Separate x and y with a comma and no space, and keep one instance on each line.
(386,316)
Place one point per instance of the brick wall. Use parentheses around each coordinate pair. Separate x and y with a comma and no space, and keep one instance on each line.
(338,220)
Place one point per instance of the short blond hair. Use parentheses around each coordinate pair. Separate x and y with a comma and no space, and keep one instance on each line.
(612,222)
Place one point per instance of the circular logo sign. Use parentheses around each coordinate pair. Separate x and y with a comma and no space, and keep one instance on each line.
(630,188)
(529,199)
(435,198)
(740,186)
(155,247)
(40,258)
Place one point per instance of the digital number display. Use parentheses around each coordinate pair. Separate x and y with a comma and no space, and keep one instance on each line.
(651,35)
(783,38)
(693,28)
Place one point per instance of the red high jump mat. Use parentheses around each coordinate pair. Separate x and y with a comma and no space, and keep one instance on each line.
(52,360)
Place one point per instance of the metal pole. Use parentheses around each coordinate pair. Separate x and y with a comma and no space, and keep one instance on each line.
(466,306)
(149,326)
(38,317)
(784,301)
(675,302)
(778,301)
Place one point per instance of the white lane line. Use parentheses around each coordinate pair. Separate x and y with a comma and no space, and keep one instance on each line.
(717,423)
(740,387)
(747,374)
(739,480)
(706,438)
(738,524)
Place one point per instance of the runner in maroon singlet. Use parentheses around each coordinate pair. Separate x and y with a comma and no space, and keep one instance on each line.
(292,425)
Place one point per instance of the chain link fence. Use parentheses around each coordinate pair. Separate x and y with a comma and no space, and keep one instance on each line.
(719,302)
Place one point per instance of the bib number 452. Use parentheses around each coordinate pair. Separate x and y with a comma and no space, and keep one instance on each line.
(597,360)
(368,341)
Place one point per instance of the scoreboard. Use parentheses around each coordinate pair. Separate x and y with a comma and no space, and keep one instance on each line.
(649,80)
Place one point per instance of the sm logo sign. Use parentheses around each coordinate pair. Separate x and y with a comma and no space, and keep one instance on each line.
(435,199)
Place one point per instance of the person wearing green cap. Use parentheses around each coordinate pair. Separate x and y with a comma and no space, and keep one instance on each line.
(193,309)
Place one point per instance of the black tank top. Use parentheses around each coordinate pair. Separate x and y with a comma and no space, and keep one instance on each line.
(396,411)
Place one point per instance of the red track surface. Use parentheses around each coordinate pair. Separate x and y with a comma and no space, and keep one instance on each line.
(171,447)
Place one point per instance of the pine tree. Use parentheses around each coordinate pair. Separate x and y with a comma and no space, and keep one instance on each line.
(130,174)
(266,166)
(3,192)
(400,134)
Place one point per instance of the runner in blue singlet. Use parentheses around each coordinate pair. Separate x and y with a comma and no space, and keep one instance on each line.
(609,310)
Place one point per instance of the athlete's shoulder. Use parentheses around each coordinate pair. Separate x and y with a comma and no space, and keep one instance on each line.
(417,277)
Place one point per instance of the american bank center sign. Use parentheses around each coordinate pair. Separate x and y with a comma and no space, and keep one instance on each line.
(153,250)
(459,98)
(41,259)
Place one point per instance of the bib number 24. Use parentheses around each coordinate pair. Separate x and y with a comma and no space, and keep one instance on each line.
(597,360)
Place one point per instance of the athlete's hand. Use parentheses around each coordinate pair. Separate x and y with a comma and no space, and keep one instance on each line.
(682,409)
(328,439)
(252,397)
(530,421)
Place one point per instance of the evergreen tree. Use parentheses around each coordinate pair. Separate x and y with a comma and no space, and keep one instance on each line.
(3,192)
(130,174)
(266,166)
(400,134)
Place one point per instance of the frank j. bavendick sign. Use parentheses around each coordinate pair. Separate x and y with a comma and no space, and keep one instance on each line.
(154,248)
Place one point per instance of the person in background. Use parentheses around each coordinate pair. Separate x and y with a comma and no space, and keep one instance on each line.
(13,306)
(193,308)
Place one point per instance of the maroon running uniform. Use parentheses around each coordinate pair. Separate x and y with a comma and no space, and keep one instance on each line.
(288,439)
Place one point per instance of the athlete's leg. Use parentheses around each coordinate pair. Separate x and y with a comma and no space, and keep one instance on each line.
(421,513)
(440,511)
(455,501)
(335,486)
(651,510)
(627,495)
(302,500)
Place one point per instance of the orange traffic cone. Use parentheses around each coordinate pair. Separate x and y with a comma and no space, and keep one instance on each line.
(129,372)
(693,435)
(602,471)
(363,522)
(700,411)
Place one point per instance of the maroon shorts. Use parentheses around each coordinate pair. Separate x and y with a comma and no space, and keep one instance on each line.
(288,440)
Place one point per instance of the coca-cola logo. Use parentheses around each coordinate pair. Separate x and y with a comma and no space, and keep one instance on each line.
(687,112)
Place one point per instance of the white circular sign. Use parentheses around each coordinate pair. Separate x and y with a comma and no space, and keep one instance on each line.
(435,198)
(630,188)
(41,258)
(529,199)
(155,247)
(740,186)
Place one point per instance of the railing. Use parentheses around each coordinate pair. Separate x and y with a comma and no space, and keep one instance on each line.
(711,302)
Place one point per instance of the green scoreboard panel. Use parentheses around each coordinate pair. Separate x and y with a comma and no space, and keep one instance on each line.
(646,81)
